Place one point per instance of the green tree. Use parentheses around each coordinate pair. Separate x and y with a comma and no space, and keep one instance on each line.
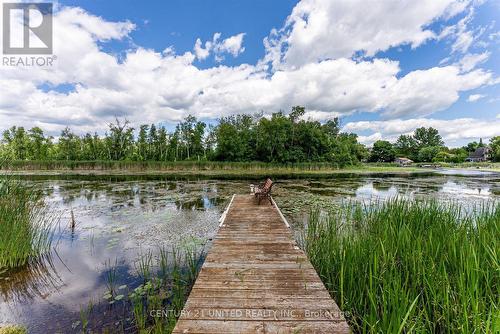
(190,134)
(119,141)
(17,142)
(69,145)
(93,147)
(142,142)
(382,151)
(425,137)
(406,146)
(39,145)
(273,138)
(428,153)
(495,148)
(152,143)
(234,138)
(162,143)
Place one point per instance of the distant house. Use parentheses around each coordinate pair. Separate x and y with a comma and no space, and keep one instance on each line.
(480,154)
(403,161)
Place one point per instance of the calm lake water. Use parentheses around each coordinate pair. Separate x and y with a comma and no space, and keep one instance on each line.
(119,218)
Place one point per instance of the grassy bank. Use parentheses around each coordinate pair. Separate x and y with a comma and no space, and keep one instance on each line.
(212,169)
(411,267)
(25,225)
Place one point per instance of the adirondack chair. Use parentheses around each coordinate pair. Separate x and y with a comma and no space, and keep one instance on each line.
(263,191)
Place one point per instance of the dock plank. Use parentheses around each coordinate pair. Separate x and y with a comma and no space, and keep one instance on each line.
(256,280)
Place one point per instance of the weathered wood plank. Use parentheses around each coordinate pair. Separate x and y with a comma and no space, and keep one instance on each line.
(256,280)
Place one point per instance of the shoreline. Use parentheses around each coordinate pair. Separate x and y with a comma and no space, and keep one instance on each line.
(228,170)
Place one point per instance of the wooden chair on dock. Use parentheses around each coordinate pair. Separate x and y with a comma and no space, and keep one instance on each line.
(263,191)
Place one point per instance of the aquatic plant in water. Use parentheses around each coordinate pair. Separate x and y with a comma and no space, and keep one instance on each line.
(26,226)
(154,305)
(405,266)
(165,292)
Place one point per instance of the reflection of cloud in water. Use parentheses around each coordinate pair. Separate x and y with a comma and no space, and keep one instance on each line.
(369,192)
(463,190)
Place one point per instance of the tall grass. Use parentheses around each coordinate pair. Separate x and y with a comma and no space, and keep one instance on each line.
(407,266)
(163,165)
(25,225)
(153,306)
(158,302)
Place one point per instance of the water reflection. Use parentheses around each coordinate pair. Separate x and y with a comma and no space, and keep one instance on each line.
(376,191)
(120,218)
(459,189)
(38,278)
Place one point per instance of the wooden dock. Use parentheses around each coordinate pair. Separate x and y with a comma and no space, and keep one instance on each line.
(256,280)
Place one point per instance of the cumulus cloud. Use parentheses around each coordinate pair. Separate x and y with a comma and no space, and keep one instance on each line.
(474,97)
(452,131)
(200,51)
(318,30)
(424,92)
(232,45)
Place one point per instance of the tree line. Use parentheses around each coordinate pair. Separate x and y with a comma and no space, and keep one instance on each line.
(426,145)
(279,138)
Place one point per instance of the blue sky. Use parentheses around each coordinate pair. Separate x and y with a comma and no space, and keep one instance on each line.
(179,23)
(383,70)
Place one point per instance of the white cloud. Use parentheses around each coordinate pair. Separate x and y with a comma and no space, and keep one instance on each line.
(452,131)
(470,61)
(232,45)
(318,29)
(99,28)
(463,34)
(463,42)
(316,115)
(474,97)
(200,52)
(424,92)
(147,86)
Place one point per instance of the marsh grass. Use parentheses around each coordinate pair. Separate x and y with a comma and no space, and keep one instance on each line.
(165,279)
(110,269)
(165,290)
(26,226)
(201,169)
(405,266)
(159,165)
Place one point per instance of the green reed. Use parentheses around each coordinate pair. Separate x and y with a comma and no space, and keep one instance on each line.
(158,301)
(405,266)
(187,165)
(26,226)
